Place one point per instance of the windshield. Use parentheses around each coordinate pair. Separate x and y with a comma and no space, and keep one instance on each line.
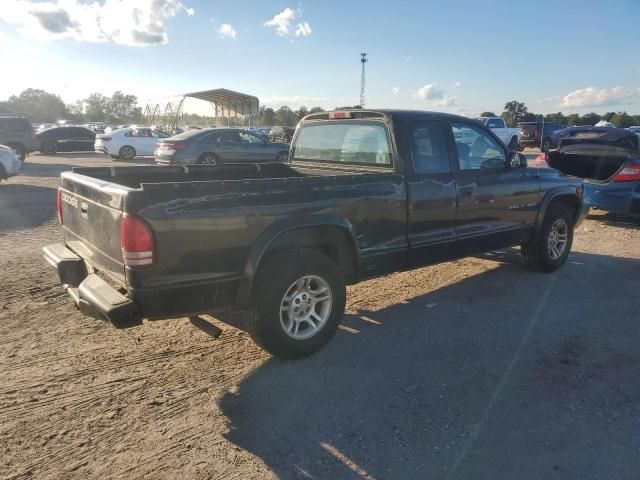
(344,143)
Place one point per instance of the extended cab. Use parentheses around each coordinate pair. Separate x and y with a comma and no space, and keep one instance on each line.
(366,193)
(509,136)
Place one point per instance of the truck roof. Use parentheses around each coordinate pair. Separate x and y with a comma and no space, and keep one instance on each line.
(385,114)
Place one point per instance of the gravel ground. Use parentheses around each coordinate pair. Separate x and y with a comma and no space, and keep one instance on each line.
(471,369)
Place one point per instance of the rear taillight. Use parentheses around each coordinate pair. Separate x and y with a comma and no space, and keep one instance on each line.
(542,160)
(59,206)
(136,241)
(629,173)
(172,146)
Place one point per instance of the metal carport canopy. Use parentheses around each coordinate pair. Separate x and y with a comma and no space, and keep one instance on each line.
(230,102)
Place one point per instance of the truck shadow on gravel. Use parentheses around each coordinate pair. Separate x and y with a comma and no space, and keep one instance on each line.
(32,169)
(505,374)
(26,206)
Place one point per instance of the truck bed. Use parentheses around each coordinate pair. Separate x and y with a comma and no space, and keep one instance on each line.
(145,176)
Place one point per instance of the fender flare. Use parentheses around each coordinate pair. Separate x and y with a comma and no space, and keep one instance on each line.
(276,230)
(568,191)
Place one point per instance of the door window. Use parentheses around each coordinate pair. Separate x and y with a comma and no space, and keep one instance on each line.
(429,147)
(246,137)
(476,149)
(228,137)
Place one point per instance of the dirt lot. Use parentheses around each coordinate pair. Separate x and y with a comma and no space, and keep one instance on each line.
(467,370)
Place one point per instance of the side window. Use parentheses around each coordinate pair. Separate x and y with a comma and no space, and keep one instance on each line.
(159,134)
(476,149)
(429,147)
(228,137)
(249,138)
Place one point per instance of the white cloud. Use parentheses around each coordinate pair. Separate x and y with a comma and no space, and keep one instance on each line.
(226,31)
(594,97)
(303,29)
(429,92)
(457,84)
(395,91)
(446,101)
(283,23)
(143,22)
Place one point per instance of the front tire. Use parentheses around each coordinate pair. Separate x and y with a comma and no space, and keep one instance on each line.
(546,145)
(49,148)
(513,144)
(548,251)
(283,157)
(207,158)
(298,303)
(127,153)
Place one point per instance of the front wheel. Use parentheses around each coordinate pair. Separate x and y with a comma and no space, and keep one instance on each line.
(546,145)
(49,148)
(298,303)
(127,153)
(513,144)
(207,158)
(283,157)
(548,250)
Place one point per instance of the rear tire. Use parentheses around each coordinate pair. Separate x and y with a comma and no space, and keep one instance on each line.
(49,148)
(285,282)
(127,153)
(18,147)
(283,157)
(207,158)
(549,249)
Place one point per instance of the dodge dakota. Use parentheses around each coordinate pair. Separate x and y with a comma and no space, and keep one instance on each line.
(365,193)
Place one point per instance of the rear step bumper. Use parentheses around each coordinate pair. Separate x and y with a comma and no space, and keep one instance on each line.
(93,296)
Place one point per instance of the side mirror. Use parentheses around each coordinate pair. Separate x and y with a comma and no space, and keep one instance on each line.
(517,160)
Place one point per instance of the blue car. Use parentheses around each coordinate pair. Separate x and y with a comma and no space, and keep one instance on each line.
(608,159)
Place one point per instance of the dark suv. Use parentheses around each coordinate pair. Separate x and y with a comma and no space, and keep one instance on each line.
(17,133)
(531,136)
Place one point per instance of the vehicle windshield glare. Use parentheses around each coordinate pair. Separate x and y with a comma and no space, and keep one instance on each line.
(344,143)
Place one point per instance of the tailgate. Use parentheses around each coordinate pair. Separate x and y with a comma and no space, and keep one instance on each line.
(91,212)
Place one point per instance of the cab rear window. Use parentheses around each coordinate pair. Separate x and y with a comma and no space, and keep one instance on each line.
(344,142)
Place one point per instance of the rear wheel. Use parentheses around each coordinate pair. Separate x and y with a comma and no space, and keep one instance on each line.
(298,303)
(549,250)
(283,157)
(22,152)
(49,148)
(207,158)
(127,153)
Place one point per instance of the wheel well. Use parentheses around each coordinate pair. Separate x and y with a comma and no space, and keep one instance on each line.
(125,146)
(569,201)
(335,242)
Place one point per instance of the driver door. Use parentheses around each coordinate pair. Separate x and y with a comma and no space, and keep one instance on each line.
(496,203)
(254,148)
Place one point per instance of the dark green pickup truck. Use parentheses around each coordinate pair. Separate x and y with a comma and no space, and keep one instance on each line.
(365,193)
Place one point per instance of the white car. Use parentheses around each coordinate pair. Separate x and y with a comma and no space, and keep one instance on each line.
(128,143)
(10,163)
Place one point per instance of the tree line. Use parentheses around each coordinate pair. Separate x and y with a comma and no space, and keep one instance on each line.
(515,111)
(39,106)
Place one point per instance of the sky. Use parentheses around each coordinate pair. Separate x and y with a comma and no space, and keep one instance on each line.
(463,56)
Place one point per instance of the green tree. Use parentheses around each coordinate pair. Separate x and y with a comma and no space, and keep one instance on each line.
(514,112)
(590,119)
(316,110)
(95,107)
(285,116)
(607,116)
(555,118)
(122,108)
(268,116)
(488,114)
(302,112)
(37,106)
(622,120)
(573,120)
